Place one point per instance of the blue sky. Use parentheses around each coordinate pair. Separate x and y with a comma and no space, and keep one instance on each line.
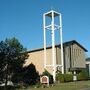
(23,19)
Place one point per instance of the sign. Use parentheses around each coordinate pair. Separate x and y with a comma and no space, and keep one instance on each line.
(44,80)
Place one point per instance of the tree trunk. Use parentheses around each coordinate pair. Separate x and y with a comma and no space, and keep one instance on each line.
(6,74)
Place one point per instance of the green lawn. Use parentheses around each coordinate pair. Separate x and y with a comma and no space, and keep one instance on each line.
(80,85)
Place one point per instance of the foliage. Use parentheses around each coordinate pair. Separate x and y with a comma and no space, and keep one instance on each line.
(49,75)
(83,75)
(20,54)
(64,77)
(12,57)
(60,77)
(27,75)
(68,77)
(31,76)
(18,76)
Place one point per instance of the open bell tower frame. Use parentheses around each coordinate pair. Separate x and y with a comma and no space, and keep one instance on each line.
(53,27)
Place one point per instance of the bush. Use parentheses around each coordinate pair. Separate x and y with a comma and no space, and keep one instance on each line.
(83,75)
(60,77)
(68,77)
(49,75)
(64,77)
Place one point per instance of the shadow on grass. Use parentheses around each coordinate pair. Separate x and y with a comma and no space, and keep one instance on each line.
(7,88)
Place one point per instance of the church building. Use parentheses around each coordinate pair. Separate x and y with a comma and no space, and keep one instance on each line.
(73,56)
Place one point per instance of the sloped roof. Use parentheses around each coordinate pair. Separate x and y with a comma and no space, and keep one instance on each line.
(64,44)
(74,41)
(88,59)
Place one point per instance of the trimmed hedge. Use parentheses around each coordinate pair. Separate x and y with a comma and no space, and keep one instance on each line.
(64,77)
(83,75)
(68,77)
(60,77)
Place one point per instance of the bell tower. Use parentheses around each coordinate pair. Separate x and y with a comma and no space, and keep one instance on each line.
(53,26)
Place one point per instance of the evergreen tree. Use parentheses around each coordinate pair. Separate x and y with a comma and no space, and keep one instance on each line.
(12,58)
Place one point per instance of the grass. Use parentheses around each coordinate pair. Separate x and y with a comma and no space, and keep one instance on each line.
(80,85)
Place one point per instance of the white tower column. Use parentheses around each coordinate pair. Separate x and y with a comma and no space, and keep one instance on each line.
(53,47)
(62,61)
(44,41)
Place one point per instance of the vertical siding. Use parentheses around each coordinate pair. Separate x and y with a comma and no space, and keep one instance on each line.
(58,58)
(58,55)
(78,56)
(49,56)
(67,58)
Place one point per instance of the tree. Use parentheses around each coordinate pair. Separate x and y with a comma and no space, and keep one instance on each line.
(31,76)
(12,58)
(3,51)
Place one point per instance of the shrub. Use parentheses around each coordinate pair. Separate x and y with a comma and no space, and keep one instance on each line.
(64,77)
(60,77)
(83,75)
(68,77)
(31,76)
(49,75)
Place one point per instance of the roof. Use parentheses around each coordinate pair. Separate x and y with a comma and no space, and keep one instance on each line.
(76,69)
(74,41)
(58,45)
(88,59)
(49,14)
